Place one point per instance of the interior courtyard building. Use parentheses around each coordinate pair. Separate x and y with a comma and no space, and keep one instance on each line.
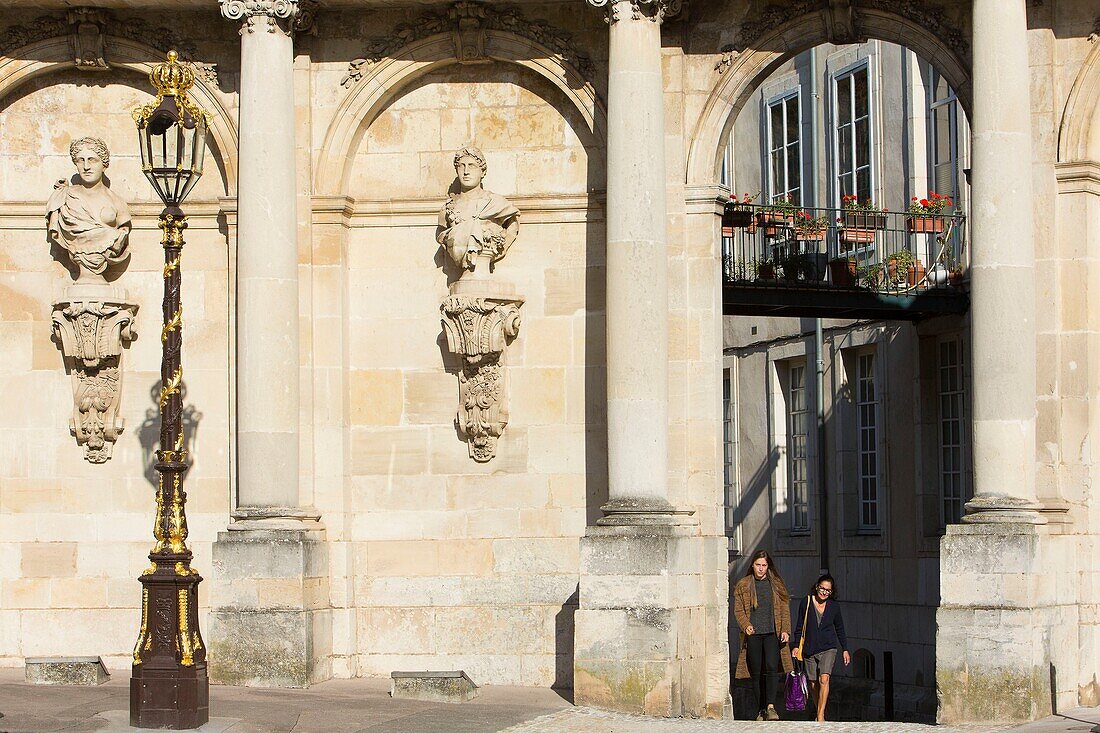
(483,368)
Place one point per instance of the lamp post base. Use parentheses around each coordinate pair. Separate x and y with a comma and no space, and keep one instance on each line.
(169,687)
(174,699)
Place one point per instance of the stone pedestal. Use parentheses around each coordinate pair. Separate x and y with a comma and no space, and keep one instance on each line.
(1007,613)
(272,625)
(648,627)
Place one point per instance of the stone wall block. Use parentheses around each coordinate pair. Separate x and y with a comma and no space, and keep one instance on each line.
(986,548)
(48,559)
(644,633)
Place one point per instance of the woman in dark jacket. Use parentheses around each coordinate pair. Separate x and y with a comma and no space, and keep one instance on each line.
(825,635)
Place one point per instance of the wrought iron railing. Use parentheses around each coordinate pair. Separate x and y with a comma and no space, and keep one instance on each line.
(887,252)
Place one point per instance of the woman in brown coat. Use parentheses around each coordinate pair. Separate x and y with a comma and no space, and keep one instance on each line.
(761,605)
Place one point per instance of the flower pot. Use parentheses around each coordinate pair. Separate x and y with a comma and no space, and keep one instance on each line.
(765,272)
(842,273)
(857,236)
(809,236)
(915,275)
(955,277)
(925,224)
(773,222)
(736,217)
(864,220)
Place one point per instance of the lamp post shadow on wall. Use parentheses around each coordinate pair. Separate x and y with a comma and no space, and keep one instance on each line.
(169,687)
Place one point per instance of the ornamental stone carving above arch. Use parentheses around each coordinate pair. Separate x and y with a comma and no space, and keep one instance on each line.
(468,22)
(89,30)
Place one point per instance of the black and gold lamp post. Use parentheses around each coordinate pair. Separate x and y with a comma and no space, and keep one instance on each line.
(168,686)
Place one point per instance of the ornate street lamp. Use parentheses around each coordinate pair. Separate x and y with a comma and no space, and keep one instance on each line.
(168,686)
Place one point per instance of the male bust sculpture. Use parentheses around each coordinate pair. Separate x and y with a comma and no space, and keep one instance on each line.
(85,217)
(476,227)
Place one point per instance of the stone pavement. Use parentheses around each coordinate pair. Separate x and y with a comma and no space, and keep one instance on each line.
(364,706)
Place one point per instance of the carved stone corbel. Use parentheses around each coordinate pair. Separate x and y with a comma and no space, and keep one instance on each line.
(478,332)
(92,324)
(470,21)
(89,28)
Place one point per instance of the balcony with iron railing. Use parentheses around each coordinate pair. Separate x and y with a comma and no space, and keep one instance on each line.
(842,263)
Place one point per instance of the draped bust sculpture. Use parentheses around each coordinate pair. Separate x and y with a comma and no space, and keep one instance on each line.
(85,217)
(481,315)
(94,319)
(476,227)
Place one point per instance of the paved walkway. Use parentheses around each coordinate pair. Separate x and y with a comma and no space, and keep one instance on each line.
(364,706)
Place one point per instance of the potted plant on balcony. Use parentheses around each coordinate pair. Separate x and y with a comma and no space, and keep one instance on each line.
(926,216)
(777,215)
(808,228)
(904,267)
(860,220)
(869,276)
(842,272)
(765,269)
(737,214)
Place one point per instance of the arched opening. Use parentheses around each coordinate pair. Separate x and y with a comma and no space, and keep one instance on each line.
(866,454)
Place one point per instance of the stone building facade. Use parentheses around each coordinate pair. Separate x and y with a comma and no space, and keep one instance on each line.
(337,513)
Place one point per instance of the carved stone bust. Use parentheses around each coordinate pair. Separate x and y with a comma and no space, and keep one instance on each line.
(476,227)
(85,217)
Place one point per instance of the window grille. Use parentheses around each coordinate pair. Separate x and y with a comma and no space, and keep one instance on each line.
(798,419)
(952,476)
(867,416)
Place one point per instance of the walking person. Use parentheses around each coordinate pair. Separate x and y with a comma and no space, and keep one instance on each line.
(761,606)
(825,636)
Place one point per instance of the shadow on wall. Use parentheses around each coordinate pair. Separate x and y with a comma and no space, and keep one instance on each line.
(564,625)
(149,432)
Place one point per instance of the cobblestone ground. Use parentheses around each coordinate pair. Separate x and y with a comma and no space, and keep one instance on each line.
(585,720)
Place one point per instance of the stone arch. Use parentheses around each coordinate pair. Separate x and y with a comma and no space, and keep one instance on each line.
(751,67)
(1078,136)
(54,54)
(370,95)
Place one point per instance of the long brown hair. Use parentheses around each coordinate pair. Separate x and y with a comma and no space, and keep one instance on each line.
(773,575)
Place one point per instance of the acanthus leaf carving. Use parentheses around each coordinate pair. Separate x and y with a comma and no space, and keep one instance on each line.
(478,330)
(89,31)
(91,333)
(468,20)
(655,10)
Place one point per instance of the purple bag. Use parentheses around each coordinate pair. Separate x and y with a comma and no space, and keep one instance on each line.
(795,691)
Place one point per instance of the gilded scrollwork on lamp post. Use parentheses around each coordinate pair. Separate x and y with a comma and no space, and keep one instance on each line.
(169,687)
(481,315)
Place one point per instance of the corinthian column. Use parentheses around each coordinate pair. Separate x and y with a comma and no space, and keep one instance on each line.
(637,267)
(1003,269)
(644,592)
(267,262)
(270,624)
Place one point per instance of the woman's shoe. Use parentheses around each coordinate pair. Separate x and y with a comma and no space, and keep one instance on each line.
(760,715)
(770,714)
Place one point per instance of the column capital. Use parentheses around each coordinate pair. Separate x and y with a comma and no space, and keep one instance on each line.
(655,10)
(270,11)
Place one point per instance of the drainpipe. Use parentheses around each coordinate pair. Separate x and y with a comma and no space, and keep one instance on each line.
(822,493)
(819,346)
